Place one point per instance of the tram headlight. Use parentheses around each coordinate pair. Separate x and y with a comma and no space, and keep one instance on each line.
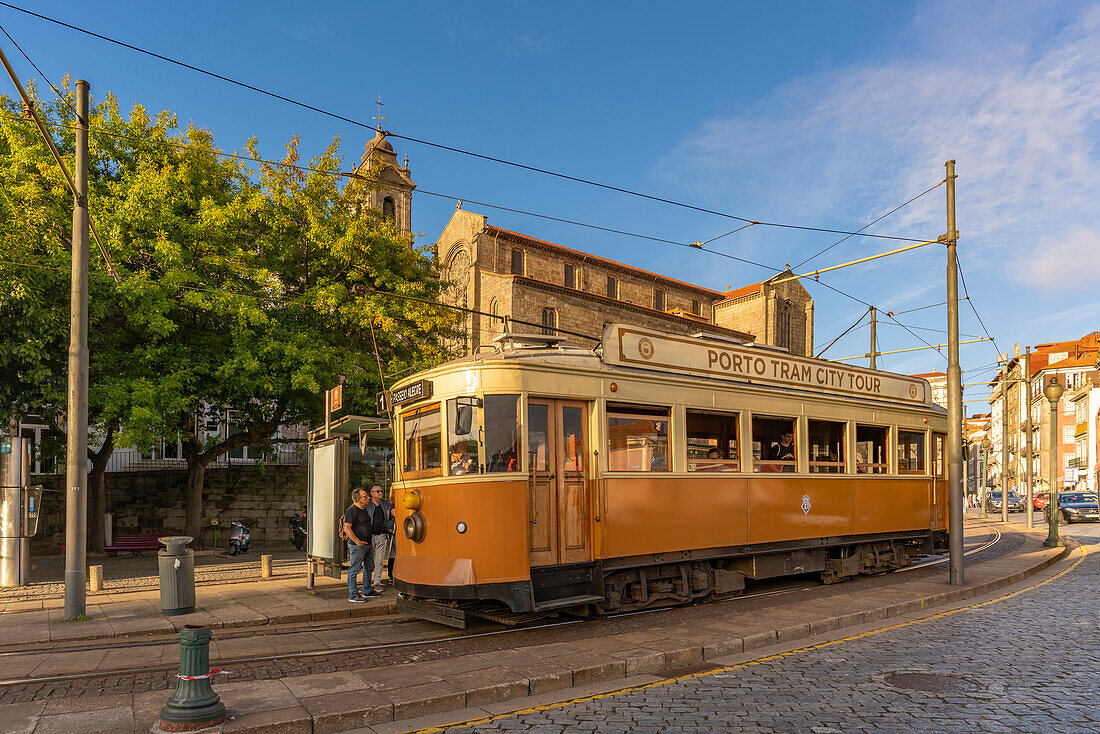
(414,527)
(411,500)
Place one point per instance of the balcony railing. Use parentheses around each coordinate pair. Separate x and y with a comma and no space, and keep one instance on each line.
(1078,462)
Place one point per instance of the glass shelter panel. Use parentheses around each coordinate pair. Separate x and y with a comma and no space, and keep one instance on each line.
(423,442)
(712,441)
(637,438)
(911,452)
(826,447)
(773,446)
(501,417)
(871,449)
(462,429)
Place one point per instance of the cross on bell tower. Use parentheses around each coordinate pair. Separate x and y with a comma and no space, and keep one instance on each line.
(392,187)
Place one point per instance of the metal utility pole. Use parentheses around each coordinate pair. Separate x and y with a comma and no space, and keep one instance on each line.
(983,476)
(1028,468)
(874,338)
(954,394)
(1004,444)
(76,475)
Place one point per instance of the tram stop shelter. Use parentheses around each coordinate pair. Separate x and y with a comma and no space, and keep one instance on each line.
(330,449)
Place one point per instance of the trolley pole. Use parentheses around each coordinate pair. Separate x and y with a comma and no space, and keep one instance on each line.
(874,338)
(954,394)
(1028,468)
(76,473)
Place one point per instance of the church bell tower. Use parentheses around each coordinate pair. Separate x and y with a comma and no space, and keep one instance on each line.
(392,188)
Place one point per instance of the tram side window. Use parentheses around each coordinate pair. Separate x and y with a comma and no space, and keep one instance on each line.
(941,463)
(826,447)
(462,428)
(637,438)
(910,452)
(712,442)
(423,442)
(773,446)
(502,433)
(871,450)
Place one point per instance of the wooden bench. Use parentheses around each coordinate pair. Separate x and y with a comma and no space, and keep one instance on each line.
(135,545)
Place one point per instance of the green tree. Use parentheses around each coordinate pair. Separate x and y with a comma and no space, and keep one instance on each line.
(235,289)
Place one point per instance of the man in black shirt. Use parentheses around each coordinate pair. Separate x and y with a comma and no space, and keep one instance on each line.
(357,528)
(784,451)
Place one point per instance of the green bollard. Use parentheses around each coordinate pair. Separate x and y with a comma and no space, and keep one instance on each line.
(194,705)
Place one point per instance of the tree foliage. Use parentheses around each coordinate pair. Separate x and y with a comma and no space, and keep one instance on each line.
(235,293)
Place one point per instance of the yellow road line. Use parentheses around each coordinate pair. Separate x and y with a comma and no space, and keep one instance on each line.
(758,661)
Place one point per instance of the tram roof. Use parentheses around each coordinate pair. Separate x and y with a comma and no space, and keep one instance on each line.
(565,357)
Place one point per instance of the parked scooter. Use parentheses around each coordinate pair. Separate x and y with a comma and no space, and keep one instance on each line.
(298,532)
(240,537)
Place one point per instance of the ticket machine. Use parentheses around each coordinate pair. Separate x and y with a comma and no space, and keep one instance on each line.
(19,506)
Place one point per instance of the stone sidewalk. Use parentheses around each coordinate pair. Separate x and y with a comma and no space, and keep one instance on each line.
(240,604)
(393,698)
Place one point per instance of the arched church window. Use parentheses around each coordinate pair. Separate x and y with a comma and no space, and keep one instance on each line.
(389,211)
(549,321)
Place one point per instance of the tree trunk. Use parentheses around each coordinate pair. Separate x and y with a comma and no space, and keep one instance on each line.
(97,493)
(196,470)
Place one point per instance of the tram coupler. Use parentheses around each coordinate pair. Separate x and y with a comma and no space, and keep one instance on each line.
(194,705)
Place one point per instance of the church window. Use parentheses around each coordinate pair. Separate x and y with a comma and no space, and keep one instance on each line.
(695,309)
(659,299)
(612,287)
(570,276)
(549,321)
(494,310)
(783,332)
(389,211)
(517,262)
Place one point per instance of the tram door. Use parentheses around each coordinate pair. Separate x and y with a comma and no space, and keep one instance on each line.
(558,481)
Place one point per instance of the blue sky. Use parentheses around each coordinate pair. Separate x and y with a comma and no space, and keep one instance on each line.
(827,114)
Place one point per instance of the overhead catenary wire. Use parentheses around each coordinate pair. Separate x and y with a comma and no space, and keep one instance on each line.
(80,199)
(872,222)
(353,175)
(911,349)
(440,146)
(853,326)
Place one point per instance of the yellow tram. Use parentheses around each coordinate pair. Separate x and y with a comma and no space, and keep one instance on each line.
(654,470)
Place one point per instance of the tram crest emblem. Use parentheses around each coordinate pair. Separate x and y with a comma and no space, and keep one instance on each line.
(645,348)
(806,504)
(913,391)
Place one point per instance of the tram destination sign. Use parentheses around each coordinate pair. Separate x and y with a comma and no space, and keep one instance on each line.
(631,346)
(416,391)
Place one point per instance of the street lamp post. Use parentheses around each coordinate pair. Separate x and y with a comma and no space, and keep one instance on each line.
(1053,391)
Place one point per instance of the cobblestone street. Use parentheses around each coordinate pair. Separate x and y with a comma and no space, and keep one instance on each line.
(1027,663)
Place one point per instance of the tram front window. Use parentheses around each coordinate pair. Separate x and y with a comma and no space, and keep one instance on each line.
(871,450)
(501,416)
(462,428)
(826,447)
(422,430)
(637,438)
(712,442)
(773,446)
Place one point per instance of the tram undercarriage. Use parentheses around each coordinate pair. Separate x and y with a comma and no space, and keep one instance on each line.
(623,585)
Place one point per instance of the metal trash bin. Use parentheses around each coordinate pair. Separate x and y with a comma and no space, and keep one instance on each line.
(177,576)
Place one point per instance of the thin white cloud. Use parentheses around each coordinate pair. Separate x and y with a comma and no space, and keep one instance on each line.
(1017,104)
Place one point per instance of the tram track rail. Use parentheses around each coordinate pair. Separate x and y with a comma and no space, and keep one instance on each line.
(352,650)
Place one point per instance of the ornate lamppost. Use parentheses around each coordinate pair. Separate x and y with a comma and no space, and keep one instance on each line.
(1053,391)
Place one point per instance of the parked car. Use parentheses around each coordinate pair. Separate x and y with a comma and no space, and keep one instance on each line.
(993,502)
(1040,500)
(1075,507)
